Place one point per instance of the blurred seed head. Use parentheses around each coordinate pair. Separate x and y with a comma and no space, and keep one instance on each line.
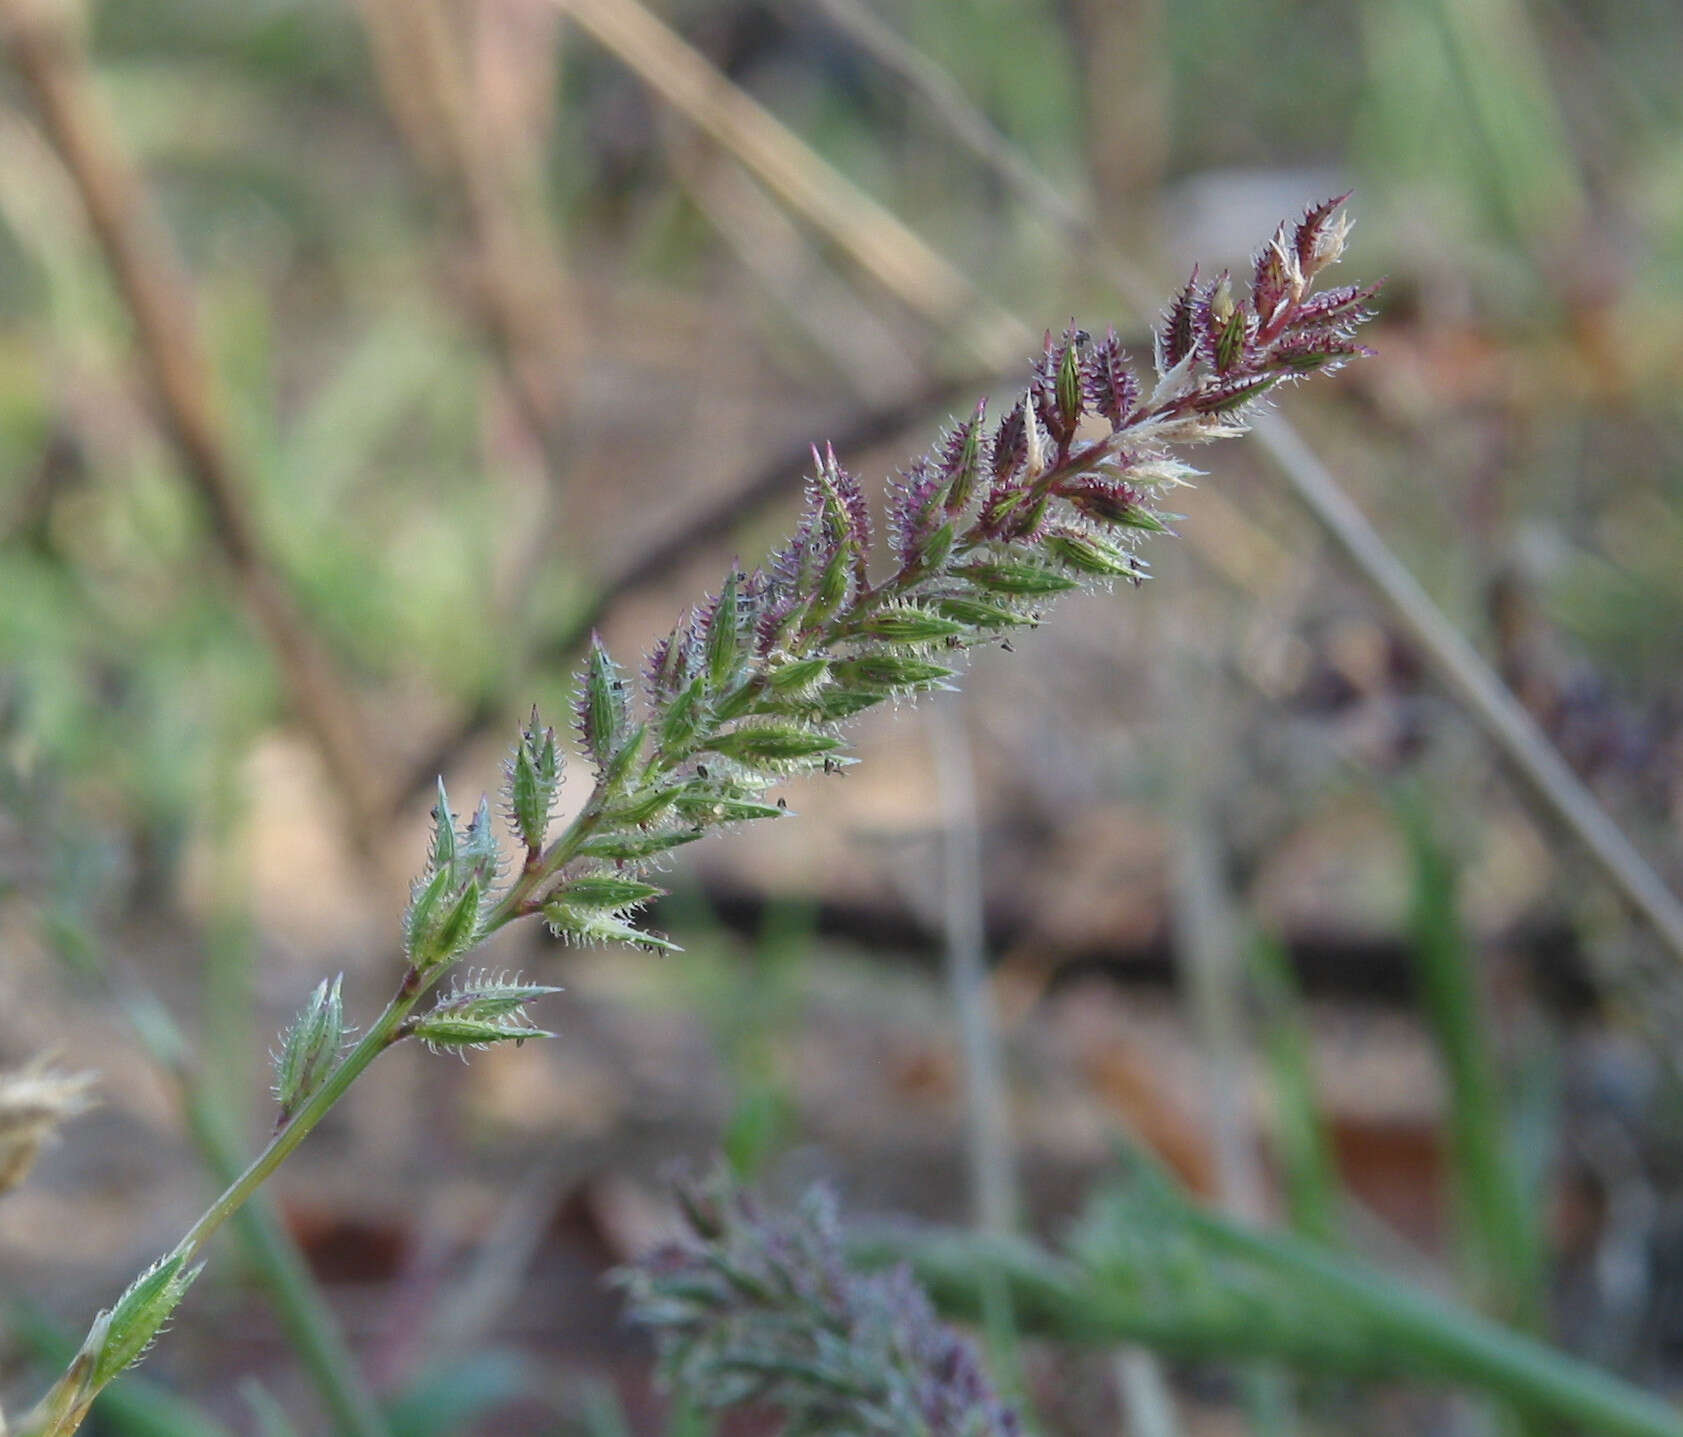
(34,1101)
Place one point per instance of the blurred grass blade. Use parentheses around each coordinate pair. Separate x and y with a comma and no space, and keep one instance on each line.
(452,1394)
(1271,1295)
(1495,56)
(601,1413)
(272,1420)
(1498,1216)
(1302,1145)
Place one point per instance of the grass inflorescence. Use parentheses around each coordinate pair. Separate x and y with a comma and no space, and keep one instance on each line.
(756,684)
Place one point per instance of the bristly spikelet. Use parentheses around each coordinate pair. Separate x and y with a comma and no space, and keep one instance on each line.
(310,1046)
(1276,280)
(139,1315)
(663,666)
(481,1010)
(1178,333)
(852,494)
(846,512)
(1108,384)
(481,856)
(1056,392)
(909,624)
(1230,337)
(1009,451)
(1108,500)
(914,509)
(441,857)
(1089,555)
(588,927)
(1342,309)
(962,456)
(1319,240)
(1323,352)
(531,783)
(602,712)
(722,637)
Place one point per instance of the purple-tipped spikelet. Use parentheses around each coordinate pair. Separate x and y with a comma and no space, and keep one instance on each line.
(1271,280)
(1057,388)
(1339,309)
(1178,332)
(1109,385)
(1320,236)
(963,456)
(914,510)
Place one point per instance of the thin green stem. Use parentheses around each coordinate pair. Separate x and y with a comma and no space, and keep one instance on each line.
(518,901)
(298,1302)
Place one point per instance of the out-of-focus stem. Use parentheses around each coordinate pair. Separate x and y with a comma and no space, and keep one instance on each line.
(1206,931)
(520,290)
(993,1184)
(901,261)
(1146,1400)
(1458,665)
(970,125)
